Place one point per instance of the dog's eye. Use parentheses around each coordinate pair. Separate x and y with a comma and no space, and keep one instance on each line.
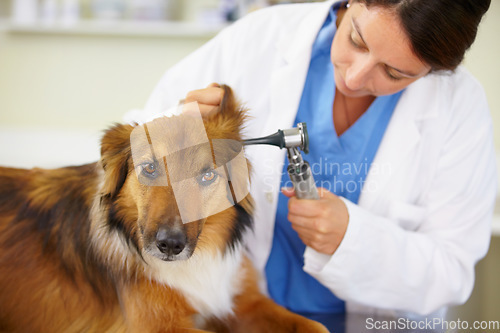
(208,177)
(149,170)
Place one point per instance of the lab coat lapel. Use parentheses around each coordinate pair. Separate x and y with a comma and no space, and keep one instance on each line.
(400,141)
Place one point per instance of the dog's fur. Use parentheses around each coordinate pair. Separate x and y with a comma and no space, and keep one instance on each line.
(77,254)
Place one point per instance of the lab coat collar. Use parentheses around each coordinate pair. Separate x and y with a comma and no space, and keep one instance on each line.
(292,47)
(294,54)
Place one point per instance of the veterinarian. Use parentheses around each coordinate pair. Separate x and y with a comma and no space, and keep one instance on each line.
(400,144)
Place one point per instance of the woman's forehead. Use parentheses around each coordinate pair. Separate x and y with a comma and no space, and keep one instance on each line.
(382,32)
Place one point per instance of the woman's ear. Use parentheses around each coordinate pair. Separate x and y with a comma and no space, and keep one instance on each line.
(115,157)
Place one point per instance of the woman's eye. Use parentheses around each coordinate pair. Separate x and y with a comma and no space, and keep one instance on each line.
(391,76)
(149,170)
(354,43)
(208,178)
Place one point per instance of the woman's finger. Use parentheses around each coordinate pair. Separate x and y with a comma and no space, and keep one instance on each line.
(210,96)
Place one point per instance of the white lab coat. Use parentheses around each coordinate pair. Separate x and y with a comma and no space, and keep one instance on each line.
(424,215)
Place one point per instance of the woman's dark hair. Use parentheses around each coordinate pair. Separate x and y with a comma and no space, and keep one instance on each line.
(440,31)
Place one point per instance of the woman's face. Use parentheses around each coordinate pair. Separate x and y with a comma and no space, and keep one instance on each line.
(372,55)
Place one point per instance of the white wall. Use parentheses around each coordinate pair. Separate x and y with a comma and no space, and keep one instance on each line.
(483,61)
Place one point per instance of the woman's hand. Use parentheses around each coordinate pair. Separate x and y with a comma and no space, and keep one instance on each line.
(321,224)
(208,98)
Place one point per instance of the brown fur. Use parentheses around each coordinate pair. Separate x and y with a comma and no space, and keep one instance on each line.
(73,240)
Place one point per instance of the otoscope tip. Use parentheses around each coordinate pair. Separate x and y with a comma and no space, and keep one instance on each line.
(289,138)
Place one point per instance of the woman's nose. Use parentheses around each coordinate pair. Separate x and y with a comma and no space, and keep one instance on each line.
(358,74)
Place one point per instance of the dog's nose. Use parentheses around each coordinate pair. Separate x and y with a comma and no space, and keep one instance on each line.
(170,242)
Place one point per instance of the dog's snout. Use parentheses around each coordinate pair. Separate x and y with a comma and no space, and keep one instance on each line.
(170,242)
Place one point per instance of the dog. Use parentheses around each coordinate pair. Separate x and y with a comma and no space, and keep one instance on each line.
(115,246)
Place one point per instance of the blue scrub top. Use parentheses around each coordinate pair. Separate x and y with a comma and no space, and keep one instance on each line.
(339,164)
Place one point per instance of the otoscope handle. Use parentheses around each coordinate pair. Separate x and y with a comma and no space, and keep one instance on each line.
(301,176)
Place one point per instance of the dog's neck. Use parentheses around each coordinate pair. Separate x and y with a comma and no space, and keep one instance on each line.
(208,281)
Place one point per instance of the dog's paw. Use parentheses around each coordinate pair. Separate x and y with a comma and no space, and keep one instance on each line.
(304,325)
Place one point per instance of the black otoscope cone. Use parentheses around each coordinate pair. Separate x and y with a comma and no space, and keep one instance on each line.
(276,139)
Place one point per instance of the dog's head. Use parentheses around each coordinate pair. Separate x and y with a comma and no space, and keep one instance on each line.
(178,184)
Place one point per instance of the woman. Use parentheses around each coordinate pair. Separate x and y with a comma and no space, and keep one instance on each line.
(400,141)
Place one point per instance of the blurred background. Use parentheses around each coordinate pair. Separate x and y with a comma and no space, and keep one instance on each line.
(71,68)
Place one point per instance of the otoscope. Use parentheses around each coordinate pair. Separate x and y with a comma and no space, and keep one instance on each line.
(298,169)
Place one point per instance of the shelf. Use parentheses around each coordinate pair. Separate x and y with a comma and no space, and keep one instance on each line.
(116,28)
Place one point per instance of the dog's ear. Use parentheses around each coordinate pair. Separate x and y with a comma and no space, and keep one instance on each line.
(228,104)
(115,157)
(230,109)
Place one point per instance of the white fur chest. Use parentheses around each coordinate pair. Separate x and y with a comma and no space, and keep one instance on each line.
(209,282)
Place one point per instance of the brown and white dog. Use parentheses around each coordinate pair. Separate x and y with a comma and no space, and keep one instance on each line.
(94,248)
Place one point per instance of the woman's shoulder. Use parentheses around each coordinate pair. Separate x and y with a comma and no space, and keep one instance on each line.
(451,83)
(452,99)
(452,90)
(457,98)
